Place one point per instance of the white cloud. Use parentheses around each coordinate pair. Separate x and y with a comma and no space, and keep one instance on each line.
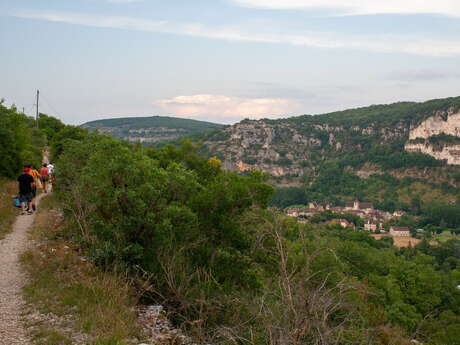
(377,43)
(227,107)
(361,7)
(119,22)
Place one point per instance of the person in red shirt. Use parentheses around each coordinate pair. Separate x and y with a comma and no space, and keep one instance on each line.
(44,177)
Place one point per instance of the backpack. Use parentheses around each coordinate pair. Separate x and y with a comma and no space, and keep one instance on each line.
(16,201)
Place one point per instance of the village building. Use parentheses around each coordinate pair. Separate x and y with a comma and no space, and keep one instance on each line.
(357,205)
(370,226)
(400,231)
(398,213)
(342,222)
(365,210)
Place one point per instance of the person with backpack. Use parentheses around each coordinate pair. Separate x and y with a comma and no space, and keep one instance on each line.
(36,176)
(26,185)
(44,173)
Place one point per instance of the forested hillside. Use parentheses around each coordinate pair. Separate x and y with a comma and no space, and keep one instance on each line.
(229,269)
(152,129)
(202,241)
(386,154)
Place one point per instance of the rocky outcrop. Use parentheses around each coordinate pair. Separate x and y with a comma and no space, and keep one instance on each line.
(450,153)
(293,147)
(441,123)
(445,123)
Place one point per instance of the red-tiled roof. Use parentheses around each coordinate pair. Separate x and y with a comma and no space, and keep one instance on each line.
(399,228)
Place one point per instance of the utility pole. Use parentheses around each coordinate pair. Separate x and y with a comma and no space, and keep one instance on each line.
(36,116)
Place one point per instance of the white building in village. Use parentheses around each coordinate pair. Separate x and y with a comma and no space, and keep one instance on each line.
(400,231)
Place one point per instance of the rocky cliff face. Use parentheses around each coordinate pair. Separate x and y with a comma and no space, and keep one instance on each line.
(443,122)
(286,148)
(450,153)
(297,146)
(438,136)
(263,146)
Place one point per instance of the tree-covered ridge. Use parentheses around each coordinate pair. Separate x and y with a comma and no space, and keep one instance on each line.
(126,123)
(380,115)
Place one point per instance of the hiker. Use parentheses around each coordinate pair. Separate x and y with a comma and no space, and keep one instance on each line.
(36,176)
(50,169)
(26,183)
(44,173)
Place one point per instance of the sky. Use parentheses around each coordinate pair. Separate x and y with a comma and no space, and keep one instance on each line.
(225,60)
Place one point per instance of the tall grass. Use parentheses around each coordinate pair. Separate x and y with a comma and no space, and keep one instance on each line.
(100,304)
(8,212)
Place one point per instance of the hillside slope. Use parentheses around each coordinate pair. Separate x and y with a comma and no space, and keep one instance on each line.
(293,146)
(398,156)
(150,129)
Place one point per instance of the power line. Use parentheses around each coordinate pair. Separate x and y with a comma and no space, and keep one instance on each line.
(48,103)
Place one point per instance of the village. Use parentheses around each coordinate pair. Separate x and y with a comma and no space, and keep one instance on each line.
(374,219)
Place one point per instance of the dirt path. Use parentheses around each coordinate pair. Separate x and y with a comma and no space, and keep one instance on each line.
(12,279)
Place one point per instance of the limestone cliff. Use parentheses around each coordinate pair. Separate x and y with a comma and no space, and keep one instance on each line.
(438,136)
(297,146)
(450,153)
(443,122)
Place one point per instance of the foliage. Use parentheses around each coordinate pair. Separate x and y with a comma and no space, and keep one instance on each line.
(191,126)
(328,215)
(289,196)
(17,138)
(100,304)
(21,141)
(145,202)
(383,115)
(7,212)
(231,271)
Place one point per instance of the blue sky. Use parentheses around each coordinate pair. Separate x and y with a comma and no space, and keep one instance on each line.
(225,60)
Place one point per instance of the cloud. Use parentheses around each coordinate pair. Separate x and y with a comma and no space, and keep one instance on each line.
(119,22)
(227,107)
(327,40)
(362,7)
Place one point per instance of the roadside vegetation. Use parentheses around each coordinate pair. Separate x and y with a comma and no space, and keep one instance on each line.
(8,213)
(71,301)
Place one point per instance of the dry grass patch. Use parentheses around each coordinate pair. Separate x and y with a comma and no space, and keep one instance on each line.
(8,212)
(400,242)
(93,306)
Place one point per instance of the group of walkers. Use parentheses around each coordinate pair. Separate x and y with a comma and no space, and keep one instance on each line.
(29,180)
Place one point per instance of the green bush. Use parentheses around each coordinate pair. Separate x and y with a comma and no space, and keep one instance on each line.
(20,142)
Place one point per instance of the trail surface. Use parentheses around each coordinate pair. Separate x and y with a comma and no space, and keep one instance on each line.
(12,279)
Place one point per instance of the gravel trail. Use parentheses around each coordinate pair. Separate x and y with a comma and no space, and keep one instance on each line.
(12,279)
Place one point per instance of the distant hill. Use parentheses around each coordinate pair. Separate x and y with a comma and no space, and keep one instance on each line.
(152,129)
